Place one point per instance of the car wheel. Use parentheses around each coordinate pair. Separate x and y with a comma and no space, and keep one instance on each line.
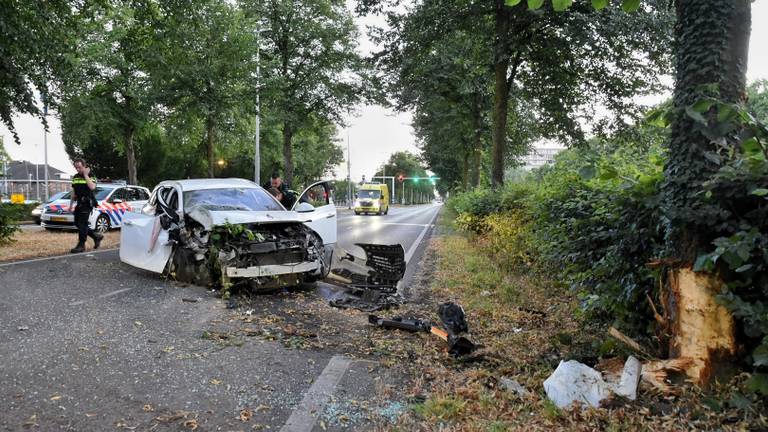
(102,224)
(357,213)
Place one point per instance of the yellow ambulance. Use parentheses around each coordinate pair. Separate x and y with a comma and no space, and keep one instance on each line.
(372,198)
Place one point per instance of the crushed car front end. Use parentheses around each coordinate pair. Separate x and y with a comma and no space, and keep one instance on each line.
(263,256)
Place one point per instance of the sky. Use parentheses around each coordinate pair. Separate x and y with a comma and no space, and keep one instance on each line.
(373,132)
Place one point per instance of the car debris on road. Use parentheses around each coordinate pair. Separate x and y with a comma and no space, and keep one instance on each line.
(454,322)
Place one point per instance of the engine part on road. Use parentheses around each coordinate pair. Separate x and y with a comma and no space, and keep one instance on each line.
(411,325)
(453,318)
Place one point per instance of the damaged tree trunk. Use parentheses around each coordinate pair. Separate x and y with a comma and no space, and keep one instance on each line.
(702,329)
(712,39)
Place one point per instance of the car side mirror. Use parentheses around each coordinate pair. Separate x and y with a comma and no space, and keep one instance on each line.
(305,207)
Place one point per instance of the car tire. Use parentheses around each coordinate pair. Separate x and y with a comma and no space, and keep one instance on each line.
(102,224)
(357,213)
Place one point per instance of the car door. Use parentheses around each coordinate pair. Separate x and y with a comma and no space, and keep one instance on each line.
(316,203)
(144,243)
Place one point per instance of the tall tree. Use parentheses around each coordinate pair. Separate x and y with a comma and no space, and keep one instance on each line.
(111,86)
(561,64)
(315,69)
(711,46)
(38,40)
(204,63)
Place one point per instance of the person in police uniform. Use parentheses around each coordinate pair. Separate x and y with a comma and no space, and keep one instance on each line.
(84,202)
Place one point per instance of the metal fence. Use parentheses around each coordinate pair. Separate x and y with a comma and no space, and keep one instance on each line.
(32,190)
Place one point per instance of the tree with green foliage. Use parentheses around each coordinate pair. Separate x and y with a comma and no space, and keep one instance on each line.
(108,96)
(560,64)
(313,68)
(37,46)
(203,64)
(449,90)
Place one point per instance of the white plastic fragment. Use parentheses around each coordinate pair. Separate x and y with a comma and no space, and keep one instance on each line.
(573,381)
(513,386)
(630,378)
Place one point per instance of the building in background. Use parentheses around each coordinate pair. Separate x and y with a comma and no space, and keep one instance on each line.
(27,180)
(540,156)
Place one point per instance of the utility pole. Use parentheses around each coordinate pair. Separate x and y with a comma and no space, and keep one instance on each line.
(349,175)
(45,145)
(257,145)
(5,166)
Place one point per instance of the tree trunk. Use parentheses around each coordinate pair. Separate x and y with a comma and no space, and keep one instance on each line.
(712,40)
(288,153)
(477,149)
(130,156)
(465,171)
(209,145)
(500,96)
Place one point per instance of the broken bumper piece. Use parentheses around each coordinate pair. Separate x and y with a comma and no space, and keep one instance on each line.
(271,270)
(370,283)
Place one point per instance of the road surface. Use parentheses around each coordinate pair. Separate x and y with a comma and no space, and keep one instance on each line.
(88,343)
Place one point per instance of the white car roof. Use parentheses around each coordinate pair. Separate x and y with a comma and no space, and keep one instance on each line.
(211,183)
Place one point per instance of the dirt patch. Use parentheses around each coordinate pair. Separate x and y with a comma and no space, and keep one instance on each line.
(37,244)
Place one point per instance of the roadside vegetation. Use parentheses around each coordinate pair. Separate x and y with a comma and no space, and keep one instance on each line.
(527,322)
(547,264)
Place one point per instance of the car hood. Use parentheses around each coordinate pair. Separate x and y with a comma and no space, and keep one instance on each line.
(211,218)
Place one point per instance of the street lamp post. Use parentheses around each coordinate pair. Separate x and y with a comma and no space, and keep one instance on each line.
(257,144)
(349,175)
(45,146)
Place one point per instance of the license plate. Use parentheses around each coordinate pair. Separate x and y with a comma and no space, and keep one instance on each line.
(58,219)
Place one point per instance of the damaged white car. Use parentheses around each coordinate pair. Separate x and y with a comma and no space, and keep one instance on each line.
(222,232)
(231,232)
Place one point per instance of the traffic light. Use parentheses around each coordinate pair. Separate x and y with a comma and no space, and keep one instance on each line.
(432,179)
(400,178)
(415,179)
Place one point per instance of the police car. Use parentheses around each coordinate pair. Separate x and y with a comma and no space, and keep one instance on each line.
(114,201)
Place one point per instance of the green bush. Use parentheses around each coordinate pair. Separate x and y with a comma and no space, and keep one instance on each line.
(593,216)
(10,214)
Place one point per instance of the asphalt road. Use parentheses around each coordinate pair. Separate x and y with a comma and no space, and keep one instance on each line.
(88,343)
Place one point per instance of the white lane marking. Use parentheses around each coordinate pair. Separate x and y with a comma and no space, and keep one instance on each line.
(109,294)
(412,249)
(303,418)
(404,224)
(57,257)
(116,292)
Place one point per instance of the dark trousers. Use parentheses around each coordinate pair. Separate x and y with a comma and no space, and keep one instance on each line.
(83,227)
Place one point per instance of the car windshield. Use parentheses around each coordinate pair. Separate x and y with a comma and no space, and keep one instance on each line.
(236,199)
(374,194)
